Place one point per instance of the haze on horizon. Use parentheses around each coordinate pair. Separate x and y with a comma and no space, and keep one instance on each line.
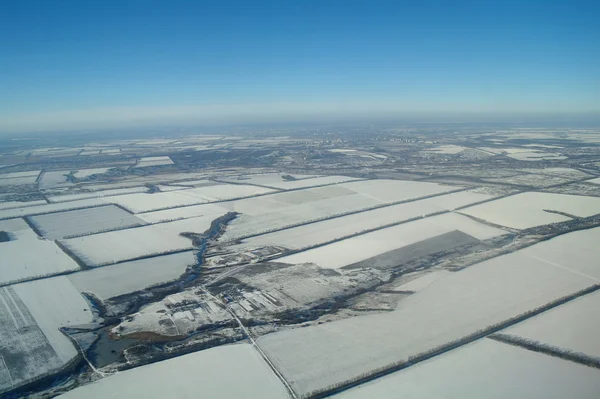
(81,65)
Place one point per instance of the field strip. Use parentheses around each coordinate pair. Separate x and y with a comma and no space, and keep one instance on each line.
(343,386)
(550,350)
(340,215)
(255,195)
(254,344)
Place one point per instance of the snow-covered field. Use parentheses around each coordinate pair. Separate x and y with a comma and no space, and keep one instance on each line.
(107,282)
(138,203)
(48,208)
(54,179)
(422,281)
(83,173)
(14,175)
(20,204)
(535,155)
(27,256)
(97,194)
(485,369)
(117,246)
(449,308)
(153,161)
(260,215)
(356,249)
(183,213)
(327,230)
(54,302)
(317,181)
(84,221)
(573,326)
(265,179)
(526,210)
(31,345)
(233,371)
(18,178)
(446,149)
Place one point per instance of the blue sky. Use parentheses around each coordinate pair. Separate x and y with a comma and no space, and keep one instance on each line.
(76,64)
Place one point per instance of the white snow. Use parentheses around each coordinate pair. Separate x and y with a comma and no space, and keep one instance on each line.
(153,161)
(446,149)
(48,208)
(526,210)
(355,249)
(110,281)
(449,308)
(139,203)
(319,232)
(421,282)
(83,173)
(485,369)
(54,303)
(20,204)
(12,175)
(183,213)
(234,371)
(54,179)
(84,221)
(117,246)
(97,194)
(28,256)
(573,326)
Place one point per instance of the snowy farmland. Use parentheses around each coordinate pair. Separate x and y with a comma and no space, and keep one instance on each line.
(138,242)
(572,326)
(83,173)
(153,161)
(31,314)
(275,211)
(96,194)
(327,230)
(138,203)
(365,246)
(485,369)
(452,307)
(84,221)
(124,278)
(264,179)
(529,209)
(27,256)
(225,372)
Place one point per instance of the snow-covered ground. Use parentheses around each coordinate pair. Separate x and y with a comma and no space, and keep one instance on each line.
(573,326)
(327,230)
(448,309)
(153,161)
(31,344)
(364,246)
(53,179)
(485,369)
(446,149)
(83,173)
(264,179)
(133,243)
(27,256)
(263,214)
(48,208)
(138,203)
(20,204)
(107,282)
(97,194)
(233,371)
(526,210)
(422,281)
(183,213)
(84,221)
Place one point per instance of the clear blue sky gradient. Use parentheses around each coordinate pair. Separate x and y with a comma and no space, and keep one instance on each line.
(62,56)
